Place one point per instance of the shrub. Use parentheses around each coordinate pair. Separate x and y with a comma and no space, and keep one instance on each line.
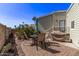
(28,30)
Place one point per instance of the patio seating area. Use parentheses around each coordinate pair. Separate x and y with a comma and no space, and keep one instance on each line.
(53,48)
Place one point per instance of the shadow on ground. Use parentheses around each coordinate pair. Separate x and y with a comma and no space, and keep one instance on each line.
(52,50)
(53,44)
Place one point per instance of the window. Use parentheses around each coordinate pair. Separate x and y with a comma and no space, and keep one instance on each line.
(62,25)
(72,24)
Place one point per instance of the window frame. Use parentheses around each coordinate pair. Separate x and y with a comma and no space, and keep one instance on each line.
(72,25)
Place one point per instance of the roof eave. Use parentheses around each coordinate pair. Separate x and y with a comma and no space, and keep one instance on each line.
(69,7)
(53,13)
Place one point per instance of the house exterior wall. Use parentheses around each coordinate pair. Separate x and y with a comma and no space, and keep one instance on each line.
(58,17)
(51,21)
(45,23)
(73,15)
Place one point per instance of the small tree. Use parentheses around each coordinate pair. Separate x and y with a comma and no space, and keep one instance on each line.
(36,22)
(15,26)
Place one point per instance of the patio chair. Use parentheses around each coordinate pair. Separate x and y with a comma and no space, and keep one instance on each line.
(41,40)
(60,36)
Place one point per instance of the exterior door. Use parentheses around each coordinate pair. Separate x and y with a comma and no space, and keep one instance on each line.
(62,25)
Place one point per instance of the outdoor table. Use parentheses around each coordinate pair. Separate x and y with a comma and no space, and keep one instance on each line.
(34,38)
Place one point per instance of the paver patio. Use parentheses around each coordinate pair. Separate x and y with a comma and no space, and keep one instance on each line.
(55,49)
(18,46)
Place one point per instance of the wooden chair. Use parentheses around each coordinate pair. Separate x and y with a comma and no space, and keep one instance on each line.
(41,40)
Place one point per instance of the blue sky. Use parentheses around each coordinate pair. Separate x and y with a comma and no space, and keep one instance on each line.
(15,13)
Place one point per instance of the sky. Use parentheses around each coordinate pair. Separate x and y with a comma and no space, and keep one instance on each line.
(15,13)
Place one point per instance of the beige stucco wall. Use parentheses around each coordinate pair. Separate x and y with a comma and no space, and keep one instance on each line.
(52,20)
(7,32)
(2,35)
(73,15)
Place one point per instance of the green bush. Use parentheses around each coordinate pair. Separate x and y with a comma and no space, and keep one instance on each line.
(21,31)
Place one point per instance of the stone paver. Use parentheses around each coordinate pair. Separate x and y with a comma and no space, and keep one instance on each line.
(55,49)
(69,45)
